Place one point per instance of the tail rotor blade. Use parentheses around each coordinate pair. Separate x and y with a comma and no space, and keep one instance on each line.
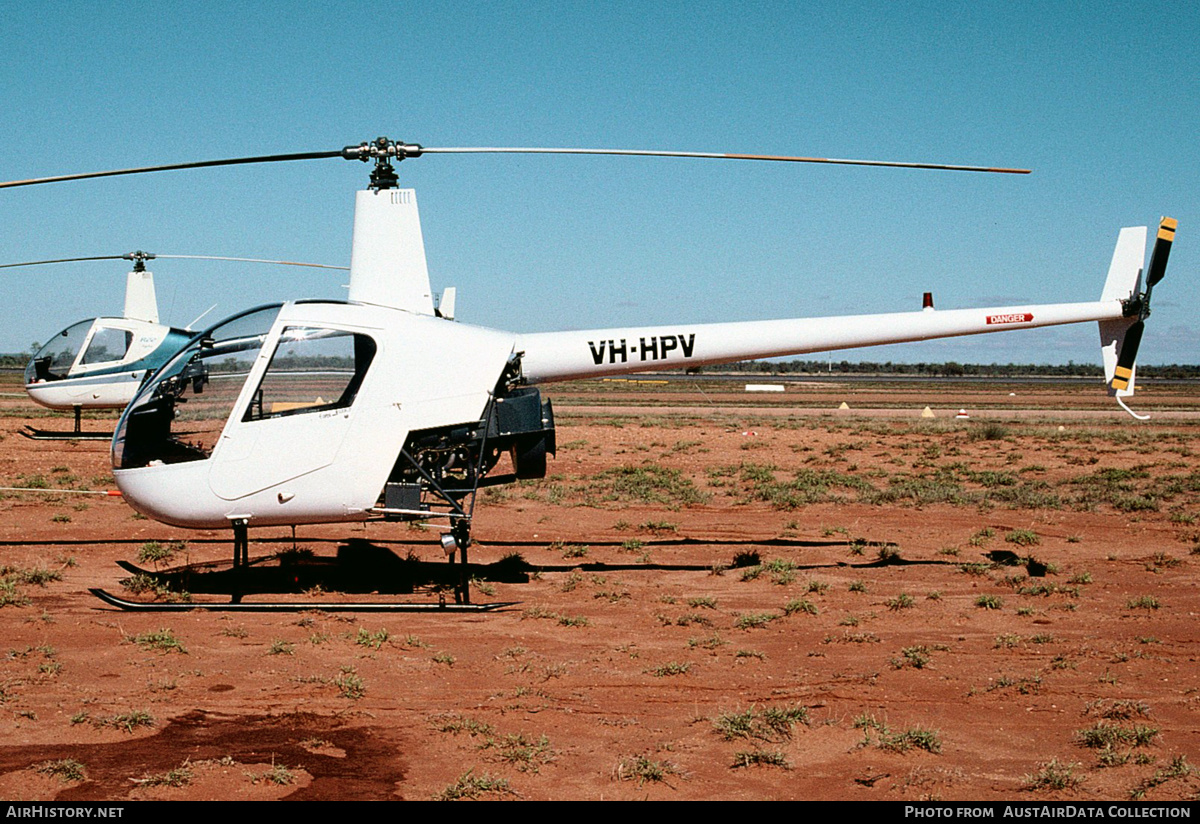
(1162,250)
(1128,357)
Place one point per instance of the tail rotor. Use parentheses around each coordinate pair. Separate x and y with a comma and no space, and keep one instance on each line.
(1122,338)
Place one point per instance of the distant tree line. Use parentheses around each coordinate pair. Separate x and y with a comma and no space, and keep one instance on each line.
(19,361)
(951,369)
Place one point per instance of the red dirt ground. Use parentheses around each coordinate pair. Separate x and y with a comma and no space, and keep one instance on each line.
(991,597)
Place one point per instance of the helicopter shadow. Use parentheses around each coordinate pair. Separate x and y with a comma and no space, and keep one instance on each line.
(359,567)
(362,567)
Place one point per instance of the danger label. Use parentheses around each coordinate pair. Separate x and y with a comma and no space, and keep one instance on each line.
(1015,317)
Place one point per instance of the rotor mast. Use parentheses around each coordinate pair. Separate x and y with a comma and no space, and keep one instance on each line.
(387,258)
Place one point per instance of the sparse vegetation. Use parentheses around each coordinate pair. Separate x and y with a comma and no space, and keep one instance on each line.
(760,758)
(454,723)
(1107,734)
(469,786)
(670,668)
(563,620)
(373,640)
(66,770)
(277,774)
(180,776)
(1023,537)
(771,724)
(753,620)
(1054,775)
(350,684)
(157,553)
(1178,768)
(900,741)
(128,721)
(162,640)
(521,751)
(799,605)
(642,768)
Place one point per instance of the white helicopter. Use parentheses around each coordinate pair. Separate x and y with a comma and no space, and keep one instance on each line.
(100,363)
(384,407)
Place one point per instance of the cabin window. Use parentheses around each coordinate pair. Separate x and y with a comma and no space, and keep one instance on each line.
(107,344)
(312,370)
(180,412)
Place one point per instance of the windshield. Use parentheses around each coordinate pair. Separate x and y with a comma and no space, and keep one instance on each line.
(179,413)
(53,361)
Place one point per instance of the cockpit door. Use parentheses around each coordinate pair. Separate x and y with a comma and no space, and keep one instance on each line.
(297,417)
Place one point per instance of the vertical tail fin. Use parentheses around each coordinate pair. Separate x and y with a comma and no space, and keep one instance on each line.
(1120,339)
(140,300)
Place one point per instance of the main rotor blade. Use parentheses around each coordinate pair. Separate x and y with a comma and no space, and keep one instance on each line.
(234,161)
(382,149)
(720,156)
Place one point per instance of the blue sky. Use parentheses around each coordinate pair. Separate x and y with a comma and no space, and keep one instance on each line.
(1104,106)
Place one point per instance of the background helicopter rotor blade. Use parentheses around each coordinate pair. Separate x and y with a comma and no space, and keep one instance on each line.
(143,256)
(382,150)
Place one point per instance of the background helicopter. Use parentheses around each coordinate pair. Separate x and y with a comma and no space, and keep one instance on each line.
(404,415)
(99,363)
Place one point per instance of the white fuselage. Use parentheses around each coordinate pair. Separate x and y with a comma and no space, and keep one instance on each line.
(99,363)
(331,465)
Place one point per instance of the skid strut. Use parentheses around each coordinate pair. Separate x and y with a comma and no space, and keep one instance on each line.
(241,554)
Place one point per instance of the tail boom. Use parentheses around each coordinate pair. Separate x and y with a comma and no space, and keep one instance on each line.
(558,356)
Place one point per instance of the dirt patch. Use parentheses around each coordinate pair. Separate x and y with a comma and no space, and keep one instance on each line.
(219,756)
(717,605)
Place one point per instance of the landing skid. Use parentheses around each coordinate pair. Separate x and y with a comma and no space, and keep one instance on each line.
(358,568)
(64,435)
(76,434)
(291,606)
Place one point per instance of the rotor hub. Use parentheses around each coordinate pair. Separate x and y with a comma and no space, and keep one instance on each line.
(382,150)
(139,259)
